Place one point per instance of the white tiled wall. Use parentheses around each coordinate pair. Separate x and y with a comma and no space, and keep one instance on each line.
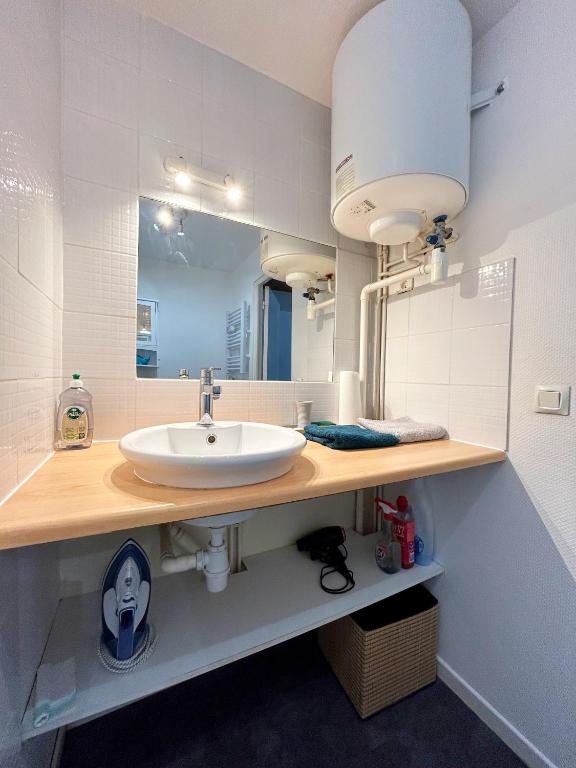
(30,337)
(272,402)
(448,354)
(30,239)
(355,268)
(135,92)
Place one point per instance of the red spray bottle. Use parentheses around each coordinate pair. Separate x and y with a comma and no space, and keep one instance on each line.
(405,530)
(403,525)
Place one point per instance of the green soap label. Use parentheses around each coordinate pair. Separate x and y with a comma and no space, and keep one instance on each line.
(74,424)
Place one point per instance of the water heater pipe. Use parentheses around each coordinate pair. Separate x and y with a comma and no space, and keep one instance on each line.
(382,313)
(314,307)
(323,305)
(422,269)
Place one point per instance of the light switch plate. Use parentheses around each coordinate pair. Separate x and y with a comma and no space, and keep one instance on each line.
(552,398)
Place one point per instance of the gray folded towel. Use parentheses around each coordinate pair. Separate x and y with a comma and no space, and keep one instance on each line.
(405,429)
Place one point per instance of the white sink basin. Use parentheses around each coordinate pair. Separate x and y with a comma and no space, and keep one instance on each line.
(224,455)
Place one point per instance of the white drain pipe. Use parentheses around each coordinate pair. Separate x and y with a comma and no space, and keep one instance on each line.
(213,561)
(421,269)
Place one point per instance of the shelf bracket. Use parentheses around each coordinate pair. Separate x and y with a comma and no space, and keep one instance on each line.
(484,98)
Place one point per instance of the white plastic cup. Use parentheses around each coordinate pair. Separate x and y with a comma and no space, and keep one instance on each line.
(303,413)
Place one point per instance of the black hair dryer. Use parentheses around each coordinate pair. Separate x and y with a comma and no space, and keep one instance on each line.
(319,541)
(327,546)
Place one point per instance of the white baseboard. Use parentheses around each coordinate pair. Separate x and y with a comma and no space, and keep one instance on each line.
(510,735)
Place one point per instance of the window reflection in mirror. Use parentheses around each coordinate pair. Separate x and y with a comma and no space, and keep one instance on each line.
(217,292)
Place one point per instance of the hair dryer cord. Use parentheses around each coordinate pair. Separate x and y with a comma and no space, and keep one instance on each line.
(335,562)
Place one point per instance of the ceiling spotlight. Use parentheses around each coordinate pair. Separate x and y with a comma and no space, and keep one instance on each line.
(178,167)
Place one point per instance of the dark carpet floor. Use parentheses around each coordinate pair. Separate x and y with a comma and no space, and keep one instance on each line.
(283,708)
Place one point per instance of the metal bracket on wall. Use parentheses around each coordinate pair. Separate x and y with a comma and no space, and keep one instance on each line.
(365,509)
(484,98)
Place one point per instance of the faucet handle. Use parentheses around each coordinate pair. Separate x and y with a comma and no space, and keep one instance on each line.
(207,374)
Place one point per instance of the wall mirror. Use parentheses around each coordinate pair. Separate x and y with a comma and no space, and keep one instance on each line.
(217,292)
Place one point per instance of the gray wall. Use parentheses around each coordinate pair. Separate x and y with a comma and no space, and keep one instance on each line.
(507,535)
(29,588)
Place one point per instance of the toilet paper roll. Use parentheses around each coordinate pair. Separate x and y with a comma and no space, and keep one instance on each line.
(350,398)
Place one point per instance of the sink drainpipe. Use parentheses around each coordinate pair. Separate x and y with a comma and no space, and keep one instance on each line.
(212,561)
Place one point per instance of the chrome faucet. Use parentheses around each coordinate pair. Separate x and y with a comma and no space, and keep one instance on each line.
(208,393)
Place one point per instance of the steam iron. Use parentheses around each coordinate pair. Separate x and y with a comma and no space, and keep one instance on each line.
(127,639)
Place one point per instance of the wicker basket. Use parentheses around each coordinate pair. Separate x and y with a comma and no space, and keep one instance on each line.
(379,666)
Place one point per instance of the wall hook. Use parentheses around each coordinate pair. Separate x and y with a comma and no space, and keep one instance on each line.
(484,98)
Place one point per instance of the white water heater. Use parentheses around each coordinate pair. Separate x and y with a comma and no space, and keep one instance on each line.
(297,262)
(401,120)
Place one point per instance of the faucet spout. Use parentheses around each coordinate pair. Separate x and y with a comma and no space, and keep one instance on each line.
(208,393)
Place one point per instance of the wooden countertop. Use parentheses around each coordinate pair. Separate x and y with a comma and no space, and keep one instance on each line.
(82,493)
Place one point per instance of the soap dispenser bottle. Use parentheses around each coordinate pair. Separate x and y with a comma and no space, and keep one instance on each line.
(75,420)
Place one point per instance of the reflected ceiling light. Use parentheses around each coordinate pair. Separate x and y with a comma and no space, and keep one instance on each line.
(233,191)
(184,174)
(164,216)
(182,180)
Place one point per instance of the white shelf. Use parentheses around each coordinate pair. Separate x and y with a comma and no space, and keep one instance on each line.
(276,598)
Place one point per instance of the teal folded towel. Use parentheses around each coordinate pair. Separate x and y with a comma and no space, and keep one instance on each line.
(344,437)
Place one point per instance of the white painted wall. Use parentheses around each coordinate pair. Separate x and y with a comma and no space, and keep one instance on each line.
(191,324)
(195,291)
(507,535)
(30,337)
